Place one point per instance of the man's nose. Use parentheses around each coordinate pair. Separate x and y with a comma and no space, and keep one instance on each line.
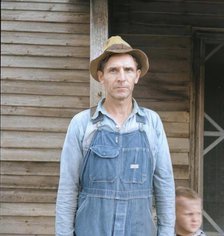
(122,75)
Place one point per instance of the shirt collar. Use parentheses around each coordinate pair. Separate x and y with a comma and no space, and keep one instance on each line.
(100,109)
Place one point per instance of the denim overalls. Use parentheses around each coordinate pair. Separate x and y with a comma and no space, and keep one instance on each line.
(116,185)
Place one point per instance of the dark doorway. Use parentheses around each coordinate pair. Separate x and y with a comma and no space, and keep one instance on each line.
(213,153)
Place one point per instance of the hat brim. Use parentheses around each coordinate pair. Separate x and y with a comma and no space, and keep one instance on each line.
(141,57)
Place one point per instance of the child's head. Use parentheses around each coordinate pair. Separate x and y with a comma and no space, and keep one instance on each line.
(188,211)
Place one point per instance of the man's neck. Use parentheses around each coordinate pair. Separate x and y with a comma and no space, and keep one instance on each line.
(119,111)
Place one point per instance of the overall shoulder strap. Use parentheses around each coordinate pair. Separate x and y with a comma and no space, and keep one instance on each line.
(89,122)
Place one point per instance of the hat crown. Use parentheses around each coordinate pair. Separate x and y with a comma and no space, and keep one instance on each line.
(116,42)
(116,45)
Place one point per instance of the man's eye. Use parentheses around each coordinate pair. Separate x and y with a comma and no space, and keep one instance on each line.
(128,69)
(113,70)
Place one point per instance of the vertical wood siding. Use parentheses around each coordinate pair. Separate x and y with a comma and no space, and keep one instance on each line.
(164,30)
(45,81)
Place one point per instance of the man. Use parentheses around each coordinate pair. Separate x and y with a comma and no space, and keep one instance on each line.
(188,212)
(116,157)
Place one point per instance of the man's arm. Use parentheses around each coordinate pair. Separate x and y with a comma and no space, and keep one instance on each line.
(67,195)
(164,187)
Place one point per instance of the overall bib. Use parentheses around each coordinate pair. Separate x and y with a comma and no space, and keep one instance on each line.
(116,185)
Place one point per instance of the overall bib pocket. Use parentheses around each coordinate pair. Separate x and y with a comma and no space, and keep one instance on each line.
(103,163)
(135,163)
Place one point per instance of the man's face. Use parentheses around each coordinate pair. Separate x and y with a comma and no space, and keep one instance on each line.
(119,76)
(188,216)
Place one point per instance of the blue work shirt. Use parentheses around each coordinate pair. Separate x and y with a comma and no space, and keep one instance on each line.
(77,142)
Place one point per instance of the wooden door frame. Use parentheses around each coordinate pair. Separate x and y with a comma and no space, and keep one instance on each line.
(200,58)
(98,36)
(200,39)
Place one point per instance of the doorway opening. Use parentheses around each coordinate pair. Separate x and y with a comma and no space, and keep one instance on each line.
(211,103)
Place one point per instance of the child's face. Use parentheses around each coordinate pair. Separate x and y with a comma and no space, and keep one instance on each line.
(188,215)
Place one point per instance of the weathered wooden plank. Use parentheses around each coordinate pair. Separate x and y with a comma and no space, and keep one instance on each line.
(45,88)
(31,154)
(181,172)
(174,116)
(170,66)
(157,41)
(178,78)
(29,168)
(45,50)
(169,53)
(157,67)
(99,34)
(40,111)
(29,182)
(28,195)
(16,139)
(165,105)
(41,124)
(180,159)
(162,91)
(177,130)
(152,29)
(47,27)
(175,7)
(169,18)
(179,144)
(45,6)
(27,209)
(45,16)
(207,20)
(39,38)
(27,225)
(182,182)
(46,101)
(45,62)
(43,74)
(159,84)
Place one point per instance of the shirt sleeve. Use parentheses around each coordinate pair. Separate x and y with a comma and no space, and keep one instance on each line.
(164,187)
(66,203)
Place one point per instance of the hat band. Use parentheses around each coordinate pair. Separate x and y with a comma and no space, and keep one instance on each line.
(118,47)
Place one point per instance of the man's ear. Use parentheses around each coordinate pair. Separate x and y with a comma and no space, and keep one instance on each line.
(100,76)
(138,72)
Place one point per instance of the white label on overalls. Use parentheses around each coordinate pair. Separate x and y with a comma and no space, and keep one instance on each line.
(134,166)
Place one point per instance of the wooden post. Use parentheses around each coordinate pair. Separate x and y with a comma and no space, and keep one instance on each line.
(98,36)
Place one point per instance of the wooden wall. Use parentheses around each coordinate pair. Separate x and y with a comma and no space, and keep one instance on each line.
(45,81)
(165,31)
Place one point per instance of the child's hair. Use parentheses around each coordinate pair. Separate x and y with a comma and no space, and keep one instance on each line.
(186,192)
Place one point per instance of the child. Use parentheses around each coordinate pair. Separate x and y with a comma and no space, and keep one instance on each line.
(188,212)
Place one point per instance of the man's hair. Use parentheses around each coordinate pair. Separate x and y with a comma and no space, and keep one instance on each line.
(106,59)
(187,193)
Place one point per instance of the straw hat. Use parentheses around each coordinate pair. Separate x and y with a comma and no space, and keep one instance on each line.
(116,44)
